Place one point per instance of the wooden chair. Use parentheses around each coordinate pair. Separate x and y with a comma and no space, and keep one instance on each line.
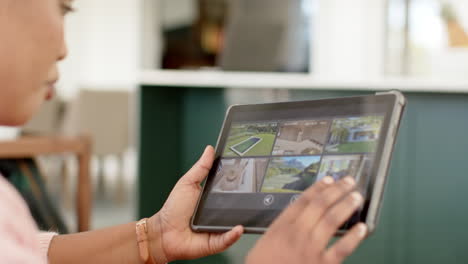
(29,147)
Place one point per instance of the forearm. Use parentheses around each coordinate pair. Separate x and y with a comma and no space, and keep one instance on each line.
(111,245)
(172,223)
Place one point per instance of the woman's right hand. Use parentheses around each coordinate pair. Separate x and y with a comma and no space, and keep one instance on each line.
(302,232)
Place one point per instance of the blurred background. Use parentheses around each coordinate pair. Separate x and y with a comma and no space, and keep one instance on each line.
(146,70)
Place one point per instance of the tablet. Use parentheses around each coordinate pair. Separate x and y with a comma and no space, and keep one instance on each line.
(267,154)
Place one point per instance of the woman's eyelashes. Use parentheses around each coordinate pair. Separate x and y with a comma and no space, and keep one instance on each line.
(66,7)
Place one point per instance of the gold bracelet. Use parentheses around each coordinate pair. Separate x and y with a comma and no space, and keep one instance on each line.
(143,242)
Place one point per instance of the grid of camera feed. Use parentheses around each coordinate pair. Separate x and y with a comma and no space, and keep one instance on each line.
(289,156)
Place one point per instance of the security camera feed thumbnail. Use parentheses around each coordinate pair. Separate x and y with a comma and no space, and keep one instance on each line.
(340,166)
(240,175)
(288,156)
(301,137)
(354,134)
(291,174)
(255,139)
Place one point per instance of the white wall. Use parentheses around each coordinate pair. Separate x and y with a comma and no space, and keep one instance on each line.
(7,133)
(349,39)
(151,45)
(104,46)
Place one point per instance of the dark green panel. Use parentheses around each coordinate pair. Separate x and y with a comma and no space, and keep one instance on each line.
(202,117)
(322,94)
(424,215)
(159,155)
(439,214)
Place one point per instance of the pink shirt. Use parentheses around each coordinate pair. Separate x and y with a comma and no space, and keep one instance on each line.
(20,240)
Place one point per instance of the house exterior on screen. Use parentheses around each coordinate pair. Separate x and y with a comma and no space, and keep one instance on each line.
(301,131)
(355,134)
(363,133)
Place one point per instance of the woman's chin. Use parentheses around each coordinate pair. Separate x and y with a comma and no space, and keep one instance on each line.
(15,120)
(19,110)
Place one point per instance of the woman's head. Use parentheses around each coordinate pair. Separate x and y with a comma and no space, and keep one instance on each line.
(31,45)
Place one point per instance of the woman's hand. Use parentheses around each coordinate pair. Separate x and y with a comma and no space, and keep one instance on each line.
(302,232)
(170,231)
(300,235)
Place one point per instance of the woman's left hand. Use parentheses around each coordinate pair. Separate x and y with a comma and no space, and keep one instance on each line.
(170,227)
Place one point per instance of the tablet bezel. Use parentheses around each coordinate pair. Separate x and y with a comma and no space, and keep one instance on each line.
(394,105)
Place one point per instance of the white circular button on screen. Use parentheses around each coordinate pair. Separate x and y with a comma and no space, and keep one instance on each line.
(294,198)
(268,200)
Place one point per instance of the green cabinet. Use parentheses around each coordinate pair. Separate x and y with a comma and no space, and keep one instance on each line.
(425,215)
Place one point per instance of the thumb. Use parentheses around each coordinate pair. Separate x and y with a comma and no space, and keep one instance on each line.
(220,242)
(200,170)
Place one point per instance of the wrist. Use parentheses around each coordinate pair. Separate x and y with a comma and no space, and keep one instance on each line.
(155,240)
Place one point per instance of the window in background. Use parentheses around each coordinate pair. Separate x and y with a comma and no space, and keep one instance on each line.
(428,38)
(237,35)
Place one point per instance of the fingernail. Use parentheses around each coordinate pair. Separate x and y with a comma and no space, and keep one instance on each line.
(349,180)
(357,198)
(362,230)
(206,149)
(237,230)
(328,180)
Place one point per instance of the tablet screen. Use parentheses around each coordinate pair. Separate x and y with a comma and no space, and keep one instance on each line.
(269,154)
